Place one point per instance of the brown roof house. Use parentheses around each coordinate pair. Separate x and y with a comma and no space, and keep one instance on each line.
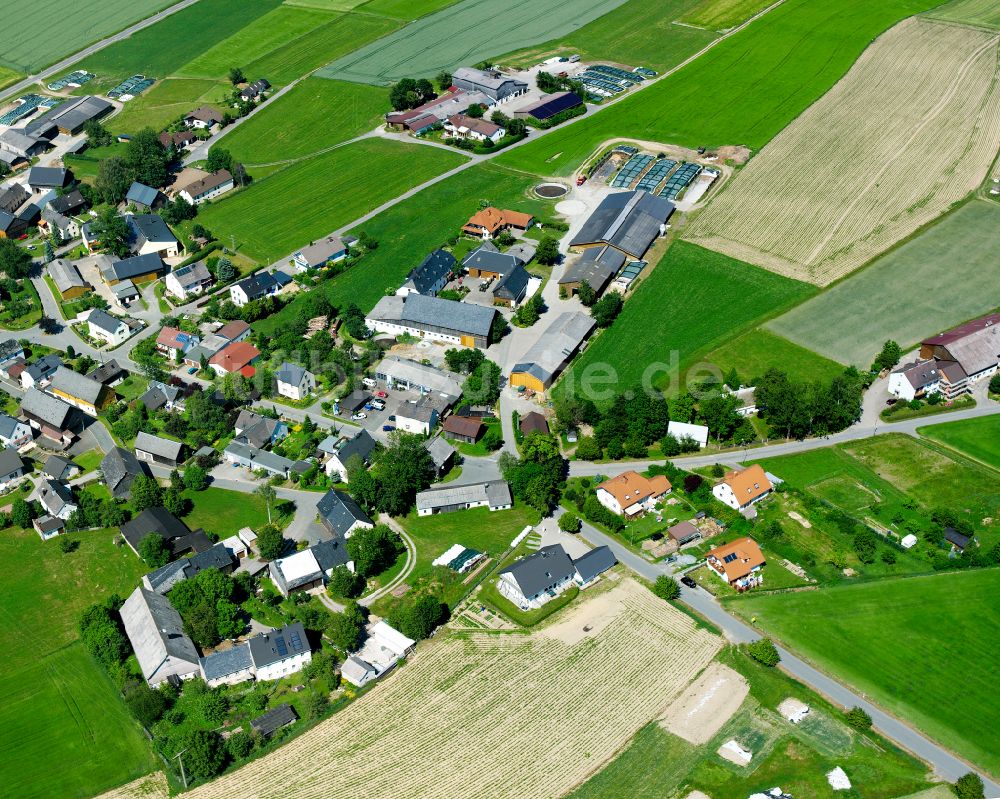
(206,186)
(465,127)
(463,428)
(738,563)
(204,118)
(533,422)
(630,494)
(490,222)
(741,489)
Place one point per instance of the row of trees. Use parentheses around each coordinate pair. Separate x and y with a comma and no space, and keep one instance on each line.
(797,409)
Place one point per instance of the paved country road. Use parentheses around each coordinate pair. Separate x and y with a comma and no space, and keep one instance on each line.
(69,61)
(945,764)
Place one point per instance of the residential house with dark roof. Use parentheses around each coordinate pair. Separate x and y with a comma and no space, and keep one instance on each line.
(442,454)
(107,328)
(81,392)
(109,374)
(13,432)
(511,289)
(12,467)
(360,445)
(150,235)
(70,203)
(259,431)
(488,263)
(250,457)
(255,287)
(63,227)
(278,653)
(957,541)
(629,221)
(189,281)
(254,92)
(57,498)
(203,118)
(341,515)
(593,564)
(59,468)
(155,521)
(156,632)
(13,197)
(533,580)
(143,197)
(166,577)
(431,276)
(433,319)
(320,253)
(119,469)
(53,418)
(158,450)
(163,395)
(180,140)
(43,178)
(227,666)
(40,373)
(294,381)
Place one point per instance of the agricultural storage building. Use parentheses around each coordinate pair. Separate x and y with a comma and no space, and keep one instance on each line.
(548,106)
(486,261)
(629,221)
(433,319)
(431,276)
(493,494)
(552,350)
(156,633)
(67,279)
(595,267)
(69,117)
(495,85)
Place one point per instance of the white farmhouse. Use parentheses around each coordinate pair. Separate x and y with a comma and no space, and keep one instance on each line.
(741,489)
(294,381)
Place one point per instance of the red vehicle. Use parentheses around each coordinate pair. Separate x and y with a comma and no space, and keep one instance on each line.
(381,394)
(581,180)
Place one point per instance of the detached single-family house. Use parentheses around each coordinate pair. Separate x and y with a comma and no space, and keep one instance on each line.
(179,141)
(534,580)
(341,515)
(294,381)
(250,457)
(259,431)
(490,222)
(10,350)
(13,432)
(162,395)
(143,197)
(492,494)
(361,445)
(57,468)
(13,197)
(741,489)
(150,235)
(189,281)
(71,203)
(419,417)
(461,126)
(431,276)
(442,454)
(280,652)
(208,187)
(56,498)
(159,521)
(108,374)
(237,330)
(166,577)
(157,635)
(236,357)
(105,327)
(154,449)
(203,118)
(254,92)
(630,494)
(65,228)
(320,253)
(174,343)
(11,467)
(53,418)
(81,392)
(119,469)
(738,563)
(463,428)
(39,373)
(44,178)
(255,287)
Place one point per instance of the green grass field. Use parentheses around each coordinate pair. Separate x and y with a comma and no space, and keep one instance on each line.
(161,49)
(973,12)
(167,100)
(743,91)
(693,300)
(976,438)
(634,33)
(723,14)
(45,33)
(8,76)
(224,513)
(262,36)
(485,29)
(56,705)
(406,233)
(309,199)
(889,299)
(758,350)
(315,114)
(912,644)
(400,9)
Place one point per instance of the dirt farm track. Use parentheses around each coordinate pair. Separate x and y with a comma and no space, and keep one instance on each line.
(912,128)
(494,714)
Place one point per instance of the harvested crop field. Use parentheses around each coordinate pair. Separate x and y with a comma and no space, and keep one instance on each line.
(892,297)
(492,715)
(911,129)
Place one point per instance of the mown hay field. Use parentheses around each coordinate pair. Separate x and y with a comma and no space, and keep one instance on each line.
(911,129)
(970,12)
(893,298)
(489,715)
(35,34)
(977,438)
(723,14)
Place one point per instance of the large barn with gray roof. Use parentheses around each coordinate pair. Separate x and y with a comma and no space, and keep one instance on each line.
(629,221)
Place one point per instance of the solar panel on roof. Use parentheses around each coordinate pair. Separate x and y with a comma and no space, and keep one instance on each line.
(296,641)
(281,646)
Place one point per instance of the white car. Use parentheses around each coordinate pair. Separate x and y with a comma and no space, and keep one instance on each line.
(359,416)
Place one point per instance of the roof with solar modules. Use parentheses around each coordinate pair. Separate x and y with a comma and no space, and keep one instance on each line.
(277,645)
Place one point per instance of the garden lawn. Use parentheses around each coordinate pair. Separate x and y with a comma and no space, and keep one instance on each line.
(89,461)
(407,232)
(694,299)
(743,91)
(56,704)
(26,291)
(313,115)
(903,641)
(636,33)
(274,217)
(319,46)
(889,300)
(477,528)
(976,438)
(163,48)
(758,350)
(46,32)
(167,101)
(224,513)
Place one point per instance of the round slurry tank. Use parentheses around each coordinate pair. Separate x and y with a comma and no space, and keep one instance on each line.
(551,190)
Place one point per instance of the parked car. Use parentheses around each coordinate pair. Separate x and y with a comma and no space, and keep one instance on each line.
(581,180)
(369,382)
(192,370)
(359,416)
(369,406)
(689,581)
(378,405)
(381,394)
(387,428)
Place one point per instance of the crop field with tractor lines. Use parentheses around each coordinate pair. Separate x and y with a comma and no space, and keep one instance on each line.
(491,715)
(911,129)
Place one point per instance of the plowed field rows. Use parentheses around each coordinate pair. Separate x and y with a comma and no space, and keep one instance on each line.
(912,128)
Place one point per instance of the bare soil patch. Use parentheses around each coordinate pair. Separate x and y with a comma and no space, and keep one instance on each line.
(708,703)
